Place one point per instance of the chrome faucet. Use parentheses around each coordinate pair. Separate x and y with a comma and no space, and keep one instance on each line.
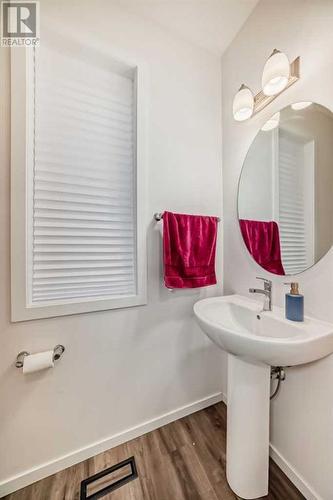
(267,291)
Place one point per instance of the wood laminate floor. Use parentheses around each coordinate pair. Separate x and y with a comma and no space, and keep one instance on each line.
(184,460)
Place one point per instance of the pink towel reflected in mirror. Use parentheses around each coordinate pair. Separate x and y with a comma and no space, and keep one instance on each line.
(263,242)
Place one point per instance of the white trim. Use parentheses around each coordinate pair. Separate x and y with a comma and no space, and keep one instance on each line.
(292,474)
(35,474)
(22,86)
(21,64)
(224,398)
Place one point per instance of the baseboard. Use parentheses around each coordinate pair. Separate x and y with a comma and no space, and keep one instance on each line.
(224,398)
(35,474)
(293,475)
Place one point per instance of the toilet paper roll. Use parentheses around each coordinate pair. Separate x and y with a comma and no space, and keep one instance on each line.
(39,361)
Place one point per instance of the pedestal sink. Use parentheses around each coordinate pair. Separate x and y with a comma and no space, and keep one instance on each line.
(255,340)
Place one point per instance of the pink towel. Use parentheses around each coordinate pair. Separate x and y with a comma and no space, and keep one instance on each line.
(263,242)
(189,244)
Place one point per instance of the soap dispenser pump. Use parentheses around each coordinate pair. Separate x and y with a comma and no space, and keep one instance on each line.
(294,303)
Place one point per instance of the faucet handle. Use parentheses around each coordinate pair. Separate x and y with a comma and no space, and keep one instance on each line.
(267,283)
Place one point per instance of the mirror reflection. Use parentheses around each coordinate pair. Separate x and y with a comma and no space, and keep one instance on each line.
(285,199)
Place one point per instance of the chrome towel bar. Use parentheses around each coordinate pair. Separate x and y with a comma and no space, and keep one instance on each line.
(159,216)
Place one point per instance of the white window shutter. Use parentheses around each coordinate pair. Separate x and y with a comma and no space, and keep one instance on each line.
(295,218)
(82,218)
(83,208)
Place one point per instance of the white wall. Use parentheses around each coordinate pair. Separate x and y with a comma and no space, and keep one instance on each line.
(302,415)
(124,367)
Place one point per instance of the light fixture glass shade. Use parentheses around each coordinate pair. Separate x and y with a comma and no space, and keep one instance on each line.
(276,73)
(301,105)
(272,123)
(243,104)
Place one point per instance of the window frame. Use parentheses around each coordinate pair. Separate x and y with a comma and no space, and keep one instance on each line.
(22,163)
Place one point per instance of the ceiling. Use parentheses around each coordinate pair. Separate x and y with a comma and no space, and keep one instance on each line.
(211,24)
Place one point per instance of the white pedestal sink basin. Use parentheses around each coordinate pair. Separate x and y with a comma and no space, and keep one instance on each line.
(255,340)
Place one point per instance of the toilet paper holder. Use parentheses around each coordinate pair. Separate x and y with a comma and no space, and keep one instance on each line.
(57,353)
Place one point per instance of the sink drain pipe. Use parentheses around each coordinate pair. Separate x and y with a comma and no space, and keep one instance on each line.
(277,373)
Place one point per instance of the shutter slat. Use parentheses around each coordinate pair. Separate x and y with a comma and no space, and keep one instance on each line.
(93,294)
(64,178)
(103,249)
(69,239)
(76,166)
(75,236)
(105,143)
(51,186)
(118,123)
(55,225)
(84,286)
(78,279)
(63,273)
(79,93)
(84,265)
(112,214)
(68,258)
(68,204)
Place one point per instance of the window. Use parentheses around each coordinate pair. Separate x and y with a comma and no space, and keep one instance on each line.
(295,201)
(78,241)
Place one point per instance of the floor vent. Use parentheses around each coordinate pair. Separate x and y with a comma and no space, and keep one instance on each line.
(110,479)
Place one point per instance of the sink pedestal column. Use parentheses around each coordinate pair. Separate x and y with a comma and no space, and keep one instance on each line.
(248,427)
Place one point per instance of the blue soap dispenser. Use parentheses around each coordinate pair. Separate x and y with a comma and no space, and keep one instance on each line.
(294,303)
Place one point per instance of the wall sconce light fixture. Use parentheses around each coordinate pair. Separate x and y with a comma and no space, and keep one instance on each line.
(243,104)
(278,75)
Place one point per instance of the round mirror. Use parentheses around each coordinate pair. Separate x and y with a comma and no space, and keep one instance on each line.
(285,195)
